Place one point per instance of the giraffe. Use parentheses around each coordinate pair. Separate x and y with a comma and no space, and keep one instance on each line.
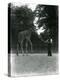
(26,34)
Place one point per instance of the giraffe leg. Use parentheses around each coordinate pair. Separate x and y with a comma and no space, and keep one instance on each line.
(26,47)
(17,48)
(31,45)
(22,48)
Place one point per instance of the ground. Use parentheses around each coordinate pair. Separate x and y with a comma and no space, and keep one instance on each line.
(34,64)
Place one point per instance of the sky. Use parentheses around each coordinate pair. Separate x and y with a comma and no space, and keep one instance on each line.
(32,6)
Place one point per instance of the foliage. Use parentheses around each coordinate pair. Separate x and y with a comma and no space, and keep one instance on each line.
(24,17)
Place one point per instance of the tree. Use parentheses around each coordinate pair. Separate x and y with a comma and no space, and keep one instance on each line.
(53,24)
(21,18)
(51,21)
(24,17)
(42,14)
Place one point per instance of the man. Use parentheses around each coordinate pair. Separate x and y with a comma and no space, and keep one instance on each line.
(49,47)
(49,42)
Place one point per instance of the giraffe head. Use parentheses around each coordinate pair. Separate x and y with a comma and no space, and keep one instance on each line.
(41,29)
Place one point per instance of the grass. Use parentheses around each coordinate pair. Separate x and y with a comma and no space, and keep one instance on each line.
(34,64)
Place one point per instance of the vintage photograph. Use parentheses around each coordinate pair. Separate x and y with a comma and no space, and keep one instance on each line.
(32,39)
